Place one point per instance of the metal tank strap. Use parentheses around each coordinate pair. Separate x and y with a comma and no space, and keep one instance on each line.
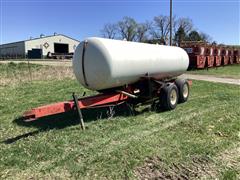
(83,60)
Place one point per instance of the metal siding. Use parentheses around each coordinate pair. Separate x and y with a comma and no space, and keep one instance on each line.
(39,43)
(14,50)
(21,48)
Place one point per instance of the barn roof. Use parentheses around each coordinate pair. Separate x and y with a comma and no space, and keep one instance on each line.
(41,38)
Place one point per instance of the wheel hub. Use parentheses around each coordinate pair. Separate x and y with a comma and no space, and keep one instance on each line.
(173,97)
(185,90)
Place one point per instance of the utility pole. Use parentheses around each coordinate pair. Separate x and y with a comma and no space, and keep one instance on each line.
(170,22)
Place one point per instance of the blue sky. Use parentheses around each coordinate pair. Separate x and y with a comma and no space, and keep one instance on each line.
(79,19)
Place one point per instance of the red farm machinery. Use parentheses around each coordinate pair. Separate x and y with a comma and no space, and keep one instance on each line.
(203,55)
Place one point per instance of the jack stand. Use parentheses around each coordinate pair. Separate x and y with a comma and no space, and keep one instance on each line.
(75,99)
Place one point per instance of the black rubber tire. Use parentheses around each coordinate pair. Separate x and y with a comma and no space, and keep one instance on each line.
(181,84)
(165,97)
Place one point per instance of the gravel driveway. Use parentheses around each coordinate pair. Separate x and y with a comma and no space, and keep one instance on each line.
(211,78)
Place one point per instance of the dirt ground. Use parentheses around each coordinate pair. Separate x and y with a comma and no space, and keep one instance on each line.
(198,168)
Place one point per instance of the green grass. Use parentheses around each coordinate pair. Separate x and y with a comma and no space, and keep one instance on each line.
(230,175)
(231,71)
(205,126)
(11,69)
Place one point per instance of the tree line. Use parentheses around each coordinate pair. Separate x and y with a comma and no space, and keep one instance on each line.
(154,31)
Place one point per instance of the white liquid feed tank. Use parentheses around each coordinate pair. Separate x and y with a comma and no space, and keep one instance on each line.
(100,63)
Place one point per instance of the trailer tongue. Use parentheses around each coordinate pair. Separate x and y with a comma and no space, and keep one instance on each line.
(100,100)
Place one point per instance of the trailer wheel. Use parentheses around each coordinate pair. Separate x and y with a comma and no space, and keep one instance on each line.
(169,97)
(183,89)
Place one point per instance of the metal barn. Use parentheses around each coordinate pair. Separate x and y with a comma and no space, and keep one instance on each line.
(38,48)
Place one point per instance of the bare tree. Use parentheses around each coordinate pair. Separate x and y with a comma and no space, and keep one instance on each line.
(109,31)
(161,27)
(143,31)
(174,24)
(127,28)
(155,31)
(185,23)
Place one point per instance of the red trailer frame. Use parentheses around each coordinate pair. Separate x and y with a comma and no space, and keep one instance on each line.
(83,103)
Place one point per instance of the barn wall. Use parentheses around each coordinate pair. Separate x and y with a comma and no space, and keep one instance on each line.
(12,50)
(47,43)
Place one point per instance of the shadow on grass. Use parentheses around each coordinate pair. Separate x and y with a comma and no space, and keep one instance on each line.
(60,121)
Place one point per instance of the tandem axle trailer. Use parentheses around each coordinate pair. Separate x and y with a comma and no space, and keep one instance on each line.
(164,94)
